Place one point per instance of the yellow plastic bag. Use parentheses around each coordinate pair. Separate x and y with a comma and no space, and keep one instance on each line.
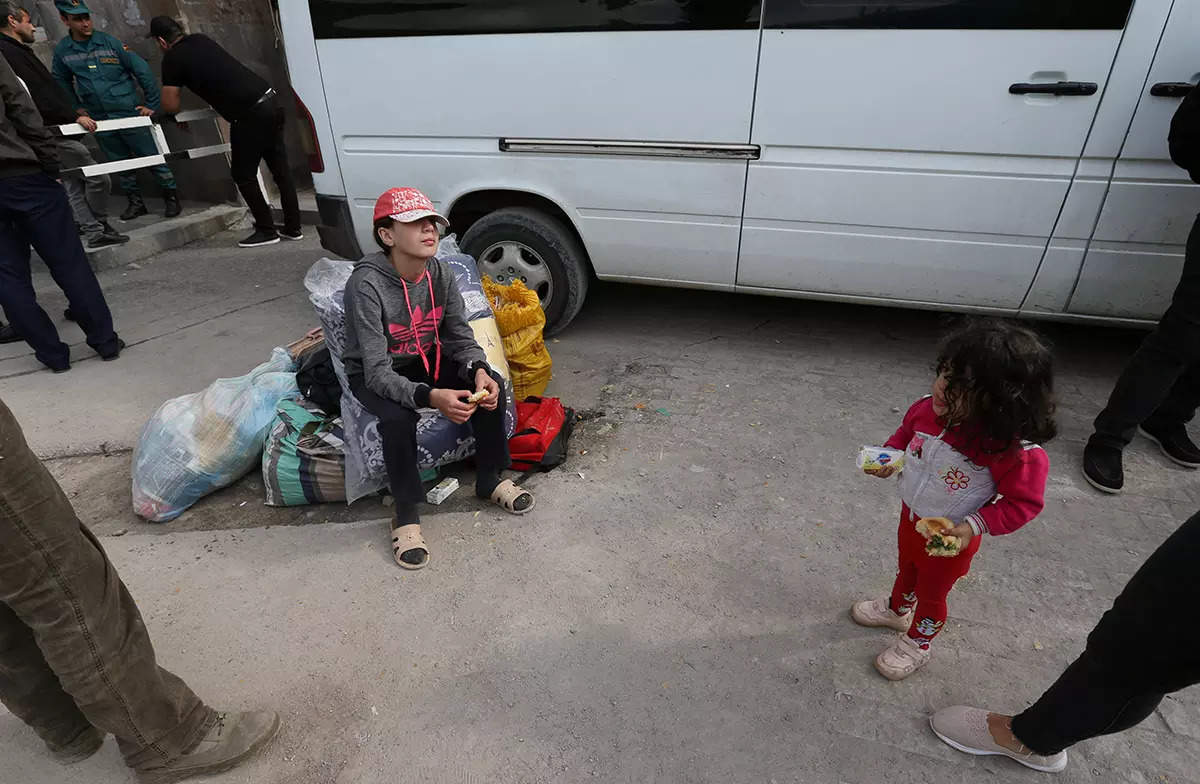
(520,319)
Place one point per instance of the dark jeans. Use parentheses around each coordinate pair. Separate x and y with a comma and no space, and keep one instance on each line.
(259,137)
(74,651)
(34,211)
(134,143)
(1141,650)
(398,430)
(1161,385)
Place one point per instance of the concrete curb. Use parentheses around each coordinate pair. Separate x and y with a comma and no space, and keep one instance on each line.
(165,235)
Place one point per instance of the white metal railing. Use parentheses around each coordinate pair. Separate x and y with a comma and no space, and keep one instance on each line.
(165,153)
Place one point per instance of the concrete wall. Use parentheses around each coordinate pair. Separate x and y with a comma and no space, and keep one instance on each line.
(247,30)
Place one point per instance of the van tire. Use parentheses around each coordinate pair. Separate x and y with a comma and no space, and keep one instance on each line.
(558,247)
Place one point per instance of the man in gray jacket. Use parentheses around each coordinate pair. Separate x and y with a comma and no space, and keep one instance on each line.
(409,346)
(34,211)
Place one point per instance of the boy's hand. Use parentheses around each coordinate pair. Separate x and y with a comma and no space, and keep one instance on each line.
(483,381)
(450,402)
(882,473)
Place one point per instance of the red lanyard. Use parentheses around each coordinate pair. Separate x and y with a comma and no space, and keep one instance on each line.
(437,340)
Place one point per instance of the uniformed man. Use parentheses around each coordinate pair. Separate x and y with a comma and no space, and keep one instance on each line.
(104,75)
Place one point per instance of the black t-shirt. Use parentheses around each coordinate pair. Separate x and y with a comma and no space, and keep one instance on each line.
(198,63)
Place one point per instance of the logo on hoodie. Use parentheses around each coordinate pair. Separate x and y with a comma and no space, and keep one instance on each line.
(408,341)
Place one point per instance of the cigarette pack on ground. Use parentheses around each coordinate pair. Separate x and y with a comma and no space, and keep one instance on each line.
(442,490)
(873,458)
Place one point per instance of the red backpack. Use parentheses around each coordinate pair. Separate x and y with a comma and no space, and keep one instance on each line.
(543,429)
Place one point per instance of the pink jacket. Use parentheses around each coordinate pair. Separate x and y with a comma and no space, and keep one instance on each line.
(947,474)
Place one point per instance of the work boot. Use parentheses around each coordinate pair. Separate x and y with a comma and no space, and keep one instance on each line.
(232,740)
(1103,469)
(83,746)
(1174,443)
(173,206)
(8,334)
(106,236)
(135,209)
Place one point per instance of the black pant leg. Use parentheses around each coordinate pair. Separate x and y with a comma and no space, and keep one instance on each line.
(1165,356)
(398,431)
(248,139)
(491,443)
(275,156)
(1180,406)
(1138,652)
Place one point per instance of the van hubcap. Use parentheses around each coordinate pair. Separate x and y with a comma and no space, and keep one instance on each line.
(507,261)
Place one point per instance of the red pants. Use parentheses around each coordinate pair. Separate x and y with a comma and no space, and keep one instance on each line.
(925,580)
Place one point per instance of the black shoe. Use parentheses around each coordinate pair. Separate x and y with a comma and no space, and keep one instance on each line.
(1103,469)
(103,239)
(115,354)
(59,369)
(259,237)
(288,234)
(1174,443)
(8,334)
(135,209)
(173,205)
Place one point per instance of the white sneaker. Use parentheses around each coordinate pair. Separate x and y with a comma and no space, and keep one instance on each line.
(877,612)
(966,729)
(902,659)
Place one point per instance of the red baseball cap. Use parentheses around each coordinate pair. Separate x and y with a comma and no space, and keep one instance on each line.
(406,205)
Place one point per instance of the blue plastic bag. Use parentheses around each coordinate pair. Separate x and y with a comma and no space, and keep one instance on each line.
(200,442)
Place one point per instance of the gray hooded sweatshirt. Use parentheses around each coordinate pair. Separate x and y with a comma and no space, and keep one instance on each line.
(382,344)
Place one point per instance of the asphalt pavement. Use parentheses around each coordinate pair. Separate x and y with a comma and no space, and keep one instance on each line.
(676,607)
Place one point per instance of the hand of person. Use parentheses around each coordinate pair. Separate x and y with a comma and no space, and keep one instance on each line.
(962,531)
(882,473)
(87,123)
(483,381)
(145,111)
(452,404)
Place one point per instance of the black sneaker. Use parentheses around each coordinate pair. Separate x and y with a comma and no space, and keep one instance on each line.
(259,238)
(104,239)
(1174,443)
(8,334)
(115,354)
(294,236)
(1103,469)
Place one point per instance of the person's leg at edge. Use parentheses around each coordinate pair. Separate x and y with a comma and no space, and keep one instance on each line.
(275,156)
(81,191)
(1158,364)
(247,139)
(57,580)
(398,431)
(115,147)
(491,447)
(17,295)
(47,219)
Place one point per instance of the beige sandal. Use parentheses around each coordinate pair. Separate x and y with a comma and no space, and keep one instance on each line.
(405,538)
(506,494)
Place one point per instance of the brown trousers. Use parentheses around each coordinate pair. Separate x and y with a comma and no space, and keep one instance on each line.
(73,648)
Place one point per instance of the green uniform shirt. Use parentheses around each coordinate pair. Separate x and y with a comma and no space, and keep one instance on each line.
(100,72)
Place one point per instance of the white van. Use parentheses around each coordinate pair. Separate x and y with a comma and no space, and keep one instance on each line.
(1003,156)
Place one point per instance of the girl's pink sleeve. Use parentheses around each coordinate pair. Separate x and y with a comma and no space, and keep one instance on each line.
(901,437)
(1020,494)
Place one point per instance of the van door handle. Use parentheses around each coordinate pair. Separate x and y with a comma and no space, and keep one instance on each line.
(1171,89)
(1054,88)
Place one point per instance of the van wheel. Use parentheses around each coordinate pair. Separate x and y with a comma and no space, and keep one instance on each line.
(519,243)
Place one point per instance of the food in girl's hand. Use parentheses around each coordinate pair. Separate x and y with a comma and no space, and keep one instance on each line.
(941,543)
(477,396)
(875,458)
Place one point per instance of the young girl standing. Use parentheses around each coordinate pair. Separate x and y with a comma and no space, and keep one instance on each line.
(970,457)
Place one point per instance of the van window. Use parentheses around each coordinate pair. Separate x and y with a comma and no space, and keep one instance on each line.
(949,14)
(356,19)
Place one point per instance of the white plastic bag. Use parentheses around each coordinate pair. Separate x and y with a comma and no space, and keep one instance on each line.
(200,442)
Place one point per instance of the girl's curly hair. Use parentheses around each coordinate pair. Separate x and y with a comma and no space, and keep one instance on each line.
(999,382)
